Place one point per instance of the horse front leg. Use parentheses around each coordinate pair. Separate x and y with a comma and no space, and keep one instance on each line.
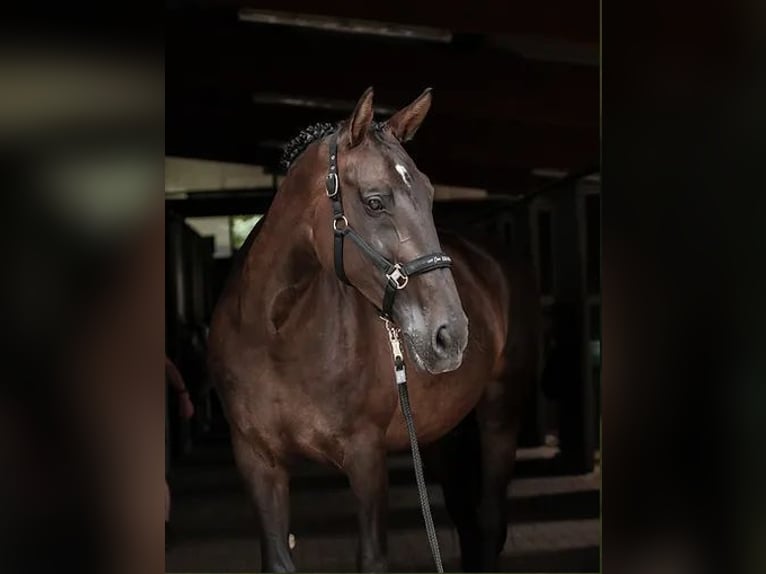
(367,471)
(268,483)
(499,427)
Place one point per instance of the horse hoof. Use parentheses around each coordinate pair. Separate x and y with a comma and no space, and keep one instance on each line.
(291,541)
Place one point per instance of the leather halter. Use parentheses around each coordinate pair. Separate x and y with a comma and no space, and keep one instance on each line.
(397,275)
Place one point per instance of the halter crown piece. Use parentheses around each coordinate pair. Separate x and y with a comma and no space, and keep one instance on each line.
(397,274)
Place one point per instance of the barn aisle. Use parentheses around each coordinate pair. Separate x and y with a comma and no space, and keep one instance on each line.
(555,519)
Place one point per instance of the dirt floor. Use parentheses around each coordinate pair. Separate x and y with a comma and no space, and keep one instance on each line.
(554,524)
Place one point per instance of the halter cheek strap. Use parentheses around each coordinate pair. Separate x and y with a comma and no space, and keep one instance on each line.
(397,275)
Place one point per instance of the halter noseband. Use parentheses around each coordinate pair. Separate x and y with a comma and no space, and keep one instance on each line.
(397,274)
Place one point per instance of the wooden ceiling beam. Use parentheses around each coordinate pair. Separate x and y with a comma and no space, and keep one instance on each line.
(576,20)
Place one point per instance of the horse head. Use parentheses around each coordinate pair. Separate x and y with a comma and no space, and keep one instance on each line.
(388,202)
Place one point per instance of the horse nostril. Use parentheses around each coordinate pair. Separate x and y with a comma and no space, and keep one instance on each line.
(443,340)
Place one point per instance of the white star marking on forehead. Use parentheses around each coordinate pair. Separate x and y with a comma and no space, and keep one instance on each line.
(404,174)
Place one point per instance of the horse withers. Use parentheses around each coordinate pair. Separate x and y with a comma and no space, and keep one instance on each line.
(301,358)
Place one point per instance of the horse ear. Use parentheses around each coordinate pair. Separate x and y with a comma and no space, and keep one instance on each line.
(361,118)
(404,123)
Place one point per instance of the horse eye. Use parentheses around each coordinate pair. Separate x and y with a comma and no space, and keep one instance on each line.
(375,204)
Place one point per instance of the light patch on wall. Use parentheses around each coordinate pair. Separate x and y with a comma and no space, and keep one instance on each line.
(188,175)
(228,233)
(448,193)
(216,227)
(241,226)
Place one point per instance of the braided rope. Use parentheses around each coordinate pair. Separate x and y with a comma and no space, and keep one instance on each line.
(433,541)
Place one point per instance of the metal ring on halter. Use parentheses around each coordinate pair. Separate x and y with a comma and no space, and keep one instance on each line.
(397,277)
(334,177)
(335,221)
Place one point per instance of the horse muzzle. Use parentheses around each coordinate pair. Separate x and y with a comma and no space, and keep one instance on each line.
(439,349)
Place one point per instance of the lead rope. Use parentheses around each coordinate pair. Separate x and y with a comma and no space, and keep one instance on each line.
(404,400)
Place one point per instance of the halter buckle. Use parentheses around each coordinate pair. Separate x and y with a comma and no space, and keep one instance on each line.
(335,221)
(331,184)
(397,277)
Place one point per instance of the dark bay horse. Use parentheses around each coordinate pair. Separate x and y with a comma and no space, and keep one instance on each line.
(302,361)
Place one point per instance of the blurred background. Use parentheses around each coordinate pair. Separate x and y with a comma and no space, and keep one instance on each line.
(81,164)
(511,145)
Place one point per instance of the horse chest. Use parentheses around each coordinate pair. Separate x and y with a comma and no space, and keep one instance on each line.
(438,403)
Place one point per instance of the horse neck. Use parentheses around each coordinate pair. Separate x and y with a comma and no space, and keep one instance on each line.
(282,254)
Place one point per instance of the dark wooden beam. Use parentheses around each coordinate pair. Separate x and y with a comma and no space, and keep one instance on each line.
(230,202)
(452,152)
(222,62)
(568,19)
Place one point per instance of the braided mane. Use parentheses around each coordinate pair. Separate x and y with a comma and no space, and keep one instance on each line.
(296,146)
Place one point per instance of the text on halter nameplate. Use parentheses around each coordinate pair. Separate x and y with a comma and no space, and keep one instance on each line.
(439,259)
